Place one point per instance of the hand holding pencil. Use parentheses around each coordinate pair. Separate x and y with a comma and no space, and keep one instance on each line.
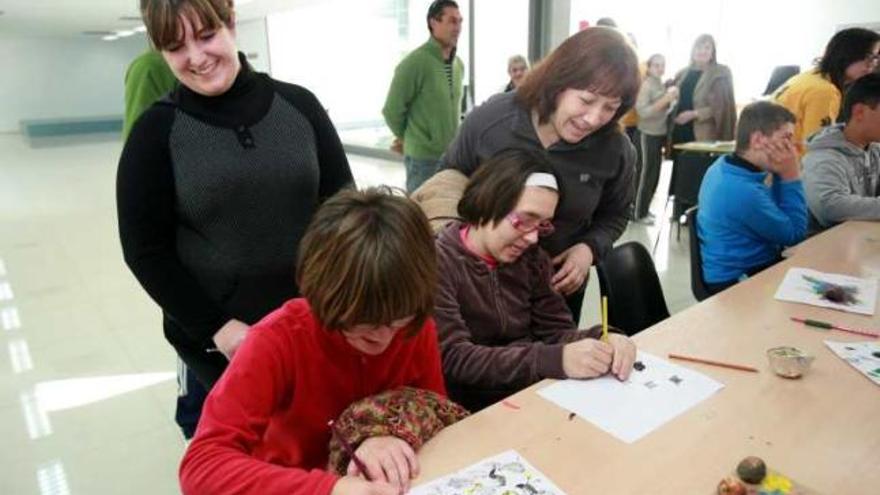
(589,358)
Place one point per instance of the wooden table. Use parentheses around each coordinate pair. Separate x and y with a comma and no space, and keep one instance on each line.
(822,430)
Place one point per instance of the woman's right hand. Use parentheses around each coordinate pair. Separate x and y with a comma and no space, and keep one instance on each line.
(230,336)
(354,485)
(387,458)
(587,358)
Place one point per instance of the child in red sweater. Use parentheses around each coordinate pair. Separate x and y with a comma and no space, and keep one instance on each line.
(367,271)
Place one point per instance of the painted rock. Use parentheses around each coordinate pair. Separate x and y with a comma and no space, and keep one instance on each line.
(751,470)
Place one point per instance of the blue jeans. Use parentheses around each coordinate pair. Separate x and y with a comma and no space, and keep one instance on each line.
(191,395)
(418,171)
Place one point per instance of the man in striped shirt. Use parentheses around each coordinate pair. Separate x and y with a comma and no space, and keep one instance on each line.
(423,106)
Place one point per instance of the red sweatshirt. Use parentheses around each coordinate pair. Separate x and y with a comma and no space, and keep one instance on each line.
(264,429)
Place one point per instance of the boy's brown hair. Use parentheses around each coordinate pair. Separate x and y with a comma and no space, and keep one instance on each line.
(162,17)
(368,258)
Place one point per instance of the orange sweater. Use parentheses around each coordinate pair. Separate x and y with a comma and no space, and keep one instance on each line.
(813,99)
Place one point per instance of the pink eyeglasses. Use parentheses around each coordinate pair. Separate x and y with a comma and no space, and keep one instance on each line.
(527,225)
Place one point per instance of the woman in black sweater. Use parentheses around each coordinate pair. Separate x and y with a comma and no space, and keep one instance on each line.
(217,183)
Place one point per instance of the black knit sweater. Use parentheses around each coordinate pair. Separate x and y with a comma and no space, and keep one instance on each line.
(214,194)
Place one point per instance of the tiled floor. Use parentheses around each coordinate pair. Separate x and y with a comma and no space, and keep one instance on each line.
(86,380)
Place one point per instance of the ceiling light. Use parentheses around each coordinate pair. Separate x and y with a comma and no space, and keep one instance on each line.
(111,37)
(124,33)
(140,29)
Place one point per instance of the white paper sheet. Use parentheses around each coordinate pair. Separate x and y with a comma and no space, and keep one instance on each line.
(802,285)
(505,473)
(632,409)
(863,356)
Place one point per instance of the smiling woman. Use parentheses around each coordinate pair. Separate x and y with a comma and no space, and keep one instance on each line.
(568,108)
(217,182)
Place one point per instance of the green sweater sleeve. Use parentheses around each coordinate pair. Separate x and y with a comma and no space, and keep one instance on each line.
(147,79)
(403,90)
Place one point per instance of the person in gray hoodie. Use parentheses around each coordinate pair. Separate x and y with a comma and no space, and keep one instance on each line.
(841,170)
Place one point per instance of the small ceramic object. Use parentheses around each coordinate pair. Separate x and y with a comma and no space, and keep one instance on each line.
(731,486)
(752,470)
(789,362)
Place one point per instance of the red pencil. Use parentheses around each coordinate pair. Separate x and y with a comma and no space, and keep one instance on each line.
(348,450)
(831,326)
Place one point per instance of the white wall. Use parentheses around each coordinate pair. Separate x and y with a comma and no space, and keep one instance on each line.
(251,38)
(62,77)
(753,36)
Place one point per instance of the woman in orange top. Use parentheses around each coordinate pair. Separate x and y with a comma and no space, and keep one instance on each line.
(814,96)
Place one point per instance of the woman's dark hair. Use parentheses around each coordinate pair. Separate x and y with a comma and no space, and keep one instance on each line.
(496,186)
(162,17)
(844,48)
(597,59)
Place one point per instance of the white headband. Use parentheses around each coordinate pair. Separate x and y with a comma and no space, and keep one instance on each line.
(542,179)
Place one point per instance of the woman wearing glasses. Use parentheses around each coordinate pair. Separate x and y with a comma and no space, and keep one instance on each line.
(501,325)
(814,96)
(568,109)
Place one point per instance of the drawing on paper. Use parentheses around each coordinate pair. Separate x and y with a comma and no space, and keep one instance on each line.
(507,473)
(829,290)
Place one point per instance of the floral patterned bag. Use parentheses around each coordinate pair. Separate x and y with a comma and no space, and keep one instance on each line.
(411,414)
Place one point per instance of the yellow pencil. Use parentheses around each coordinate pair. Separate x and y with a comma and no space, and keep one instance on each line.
(604,319)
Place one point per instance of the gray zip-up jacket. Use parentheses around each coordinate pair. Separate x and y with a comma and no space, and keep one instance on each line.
(840,179)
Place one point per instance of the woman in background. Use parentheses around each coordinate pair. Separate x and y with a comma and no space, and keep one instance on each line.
(706,108)
(653,106)
(517,67)
(814,96)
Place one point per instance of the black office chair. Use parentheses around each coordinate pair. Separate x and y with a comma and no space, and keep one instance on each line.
(628,278)
(698,284)
(779,76)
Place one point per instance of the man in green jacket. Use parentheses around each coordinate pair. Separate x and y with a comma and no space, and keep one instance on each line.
(423,104)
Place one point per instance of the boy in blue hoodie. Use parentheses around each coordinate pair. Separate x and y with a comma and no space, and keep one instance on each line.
(743,224)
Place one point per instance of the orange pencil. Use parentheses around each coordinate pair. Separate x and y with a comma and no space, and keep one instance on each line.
(713,363)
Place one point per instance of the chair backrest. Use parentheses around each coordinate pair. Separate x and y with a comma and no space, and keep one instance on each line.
(628,278)
(698,284)
(779,76)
